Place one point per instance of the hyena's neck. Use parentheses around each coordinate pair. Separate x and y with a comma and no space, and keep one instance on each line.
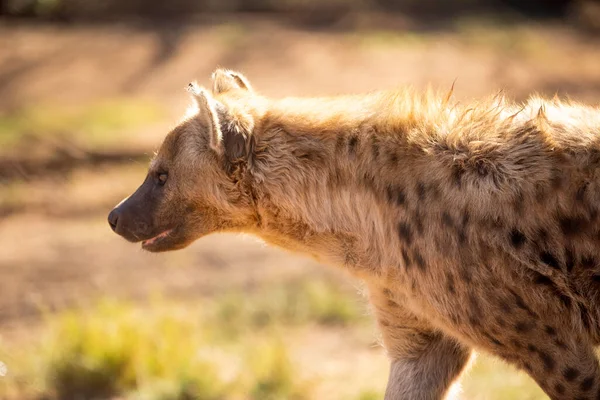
(321,186)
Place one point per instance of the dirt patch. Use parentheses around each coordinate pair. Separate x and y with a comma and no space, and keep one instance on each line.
(78,64)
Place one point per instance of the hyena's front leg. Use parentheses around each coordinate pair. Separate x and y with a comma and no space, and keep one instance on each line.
(428,371)
(424,362)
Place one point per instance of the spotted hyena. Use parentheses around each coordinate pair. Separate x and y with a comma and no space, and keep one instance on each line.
(474,226)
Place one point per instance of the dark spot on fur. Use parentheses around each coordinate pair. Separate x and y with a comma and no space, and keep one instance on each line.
(462,231)
(465,274)
(559,388)
(307,156)
(418,220)
(405,232)
(466,218)
(524,326)
(593,210)
(462,235)
(540,193)
(396,195)
(450,284)
(531,348)
(406,258)
(572,225)
(393,158)
(594,156)
(548,259)
(550,330)
(521,304)
(569,260)
(596,278)
(548,361)
(369,181)
(559,343)
(527,366)
(339,143)
(392,303)
(580,194)
(419,259)
(500,321)
(542,279)
(421,191)
(352,143)
(588,262)
(517,238)
(457,174)
(556,180)
(387,292)
(375,146)
(566,300)
(434,188)
(482,167)
(542,234)
(447,220)
(587,384)
(570,374)
(516,344)
(505,307)
(493,340)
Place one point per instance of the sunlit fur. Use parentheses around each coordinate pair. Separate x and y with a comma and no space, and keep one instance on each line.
(473,224)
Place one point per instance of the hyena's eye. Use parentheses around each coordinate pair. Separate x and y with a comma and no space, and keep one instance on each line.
(162,178)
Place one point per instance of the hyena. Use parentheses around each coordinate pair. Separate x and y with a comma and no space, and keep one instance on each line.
(473,226)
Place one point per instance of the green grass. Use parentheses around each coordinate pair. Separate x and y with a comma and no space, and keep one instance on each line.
(492,379)
(370,395)
(231,348)
(272,376)
(117,349)
(296,303)
(88,125)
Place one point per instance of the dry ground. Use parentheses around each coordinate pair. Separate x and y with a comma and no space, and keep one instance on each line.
(56,250)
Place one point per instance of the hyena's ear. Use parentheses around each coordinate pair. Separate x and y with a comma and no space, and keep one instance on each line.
(234,140)
(225,80)
(207,114)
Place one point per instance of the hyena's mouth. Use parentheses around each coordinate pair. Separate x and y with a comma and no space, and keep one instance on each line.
(154,242)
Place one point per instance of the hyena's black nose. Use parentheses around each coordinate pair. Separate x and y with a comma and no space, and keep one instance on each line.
(113,218)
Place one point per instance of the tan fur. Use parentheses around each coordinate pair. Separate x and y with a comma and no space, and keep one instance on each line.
(473,225)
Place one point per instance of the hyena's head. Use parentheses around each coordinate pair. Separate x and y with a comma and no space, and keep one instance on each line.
(195,184)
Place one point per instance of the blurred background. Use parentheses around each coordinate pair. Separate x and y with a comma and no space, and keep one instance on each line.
(88,89)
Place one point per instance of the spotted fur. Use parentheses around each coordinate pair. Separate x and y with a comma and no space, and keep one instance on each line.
(474,225)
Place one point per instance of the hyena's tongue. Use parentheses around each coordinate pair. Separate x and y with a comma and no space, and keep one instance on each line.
(157,237)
